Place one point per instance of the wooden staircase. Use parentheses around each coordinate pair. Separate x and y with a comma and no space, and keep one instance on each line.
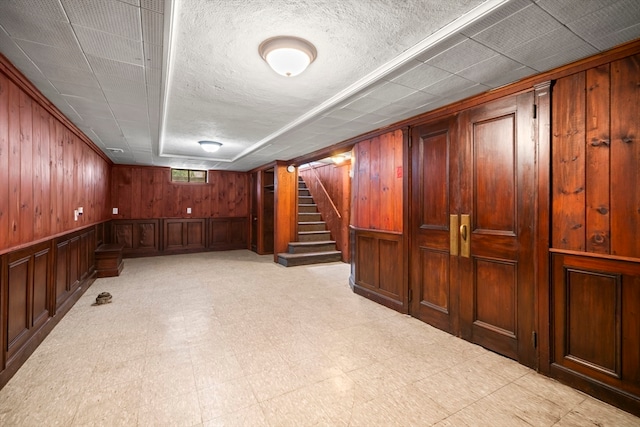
(314,245)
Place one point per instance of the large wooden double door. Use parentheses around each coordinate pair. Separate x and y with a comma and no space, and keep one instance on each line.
(472,225)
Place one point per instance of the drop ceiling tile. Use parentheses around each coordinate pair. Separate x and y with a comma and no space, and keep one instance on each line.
(128,112)
(155,5)
(600,24)
(38,29)
(87,107)
(440,47)
(451,85)
(152,27)
(51,9)
(114,68)
(395,111)
(488,69)
(110,46)
(153,55)
(154,76)
(570,10)
(134,129)
(57,57)
(69,75)
(557,43)
(510,77)
(110,16)
(390,92)
(417,99)
(503,12)
(344,113)
(619,37)
(366,105)
(519,28)
(89,92)
(126,98)
(133,2)
(115,83)
(421,76)
(461,56)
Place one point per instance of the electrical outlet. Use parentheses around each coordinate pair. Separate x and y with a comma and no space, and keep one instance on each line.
(188,210)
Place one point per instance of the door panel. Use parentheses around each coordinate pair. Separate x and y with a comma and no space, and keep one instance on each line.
(497,190)
(433,273)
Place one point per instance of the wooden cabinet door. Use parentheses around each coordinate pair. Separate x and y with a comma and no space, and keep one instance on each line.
(497,192)
(435,194)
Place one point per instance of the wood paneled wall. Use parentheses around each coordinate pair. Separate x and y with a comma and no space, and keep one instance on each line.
(330,186)
(47,169)
(595,222)
(377,201)
(147,192)
(596,160)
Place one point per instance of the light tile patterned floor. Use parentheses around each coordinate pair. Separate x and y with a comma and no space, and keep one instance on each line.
(232,339)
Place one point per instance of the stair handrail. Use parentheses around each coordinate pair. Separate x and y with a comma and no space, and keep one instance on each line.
(325,191)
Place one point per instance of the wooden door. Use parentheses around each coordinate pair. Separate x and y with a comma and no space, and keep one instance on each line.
(254,210)
(472,226)
(497,192)
(435,196)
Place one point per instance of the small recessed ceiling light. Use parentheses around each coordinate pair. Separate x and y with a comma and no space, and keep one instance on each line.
(288,56)
(210,146)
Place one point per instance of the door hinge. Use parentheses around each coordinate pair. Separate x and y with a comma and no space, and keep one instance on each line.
(535,111)
(410,295)
(534,339)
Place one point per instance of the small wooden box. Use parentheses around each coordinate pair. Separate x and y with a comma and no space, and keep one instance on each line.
(109,260)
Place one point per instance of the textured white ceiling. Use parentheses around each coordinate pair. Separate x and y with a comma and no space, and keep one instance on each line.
(152,77)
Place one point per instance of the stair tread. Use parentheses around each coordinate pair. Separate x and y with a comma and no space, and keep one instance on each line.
(311,222)
(308,254)
(307,204)
(314,232)
(314,243)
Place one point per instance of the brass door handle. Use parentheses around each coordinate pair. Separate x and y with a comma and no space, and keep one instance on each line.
(465,226)
(453,235)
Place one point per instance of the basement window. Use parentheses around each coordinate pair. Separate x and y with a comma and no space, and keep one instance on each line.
(188,175)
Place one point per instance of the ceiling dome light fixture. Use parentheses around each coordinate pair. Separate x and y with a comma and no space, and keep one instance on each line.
(210,146)
(287,55)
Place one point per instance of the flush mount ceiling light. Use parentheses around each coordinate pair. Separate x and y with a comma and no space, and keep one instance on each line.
(287,55)
(210,146)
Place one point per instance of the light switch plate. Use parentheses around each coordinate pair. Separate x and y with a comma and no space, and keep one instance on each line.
(188,210)
(115,211)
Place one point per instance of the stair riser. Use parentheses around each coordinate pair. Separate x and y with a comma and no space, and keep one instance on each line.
(305,200)
(316,259)
(308,209)
(307,249)
(310,217)
(319,237)
(312,227)
(302,192)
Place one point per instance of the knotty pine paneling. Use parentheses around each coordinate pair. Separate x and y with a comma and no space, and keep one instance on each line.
(46,169)
(377,183)
(595,158)
(141,192)
(330,186)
